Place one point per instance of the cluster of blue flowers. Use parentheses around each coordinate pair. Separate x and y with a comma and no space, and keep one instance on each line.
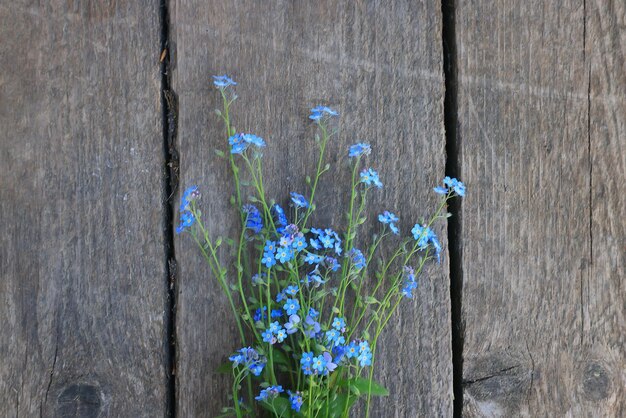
(319,112)
(186,216)
(299,201)
(295,398)
(223,81)
(426,237)
(293,334)
(452,184)
(253,218)
(270,393)
(360,349)
(249,358)
(409,282)
(370,177)
(357,259)
(359,149)
(290,243)
(388,218)
(326,239)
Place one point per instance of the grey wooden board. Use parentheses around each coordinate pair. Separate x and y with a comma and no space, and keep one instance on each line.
(82,277)
(543,223)
(380,64)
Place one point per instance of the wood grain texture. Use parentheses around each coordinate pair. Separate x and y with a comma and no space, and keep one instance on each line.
(541,125)
(82,277)
(380,64)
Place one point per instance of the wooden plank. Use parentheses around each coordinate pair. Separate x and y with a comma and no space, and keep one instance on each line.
(82,277)
(543,223)
(380,64)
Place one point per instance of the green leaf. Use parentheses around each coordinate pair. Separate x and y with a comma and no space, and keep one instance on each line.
(370,300)
(218,242)
(225,368)
(280,406)
(336,406)
(220,153)
(308,180)
(280,358)
(362,386)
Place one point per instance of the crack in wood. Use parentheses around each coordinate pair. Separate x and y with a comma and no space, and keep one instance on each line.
(54,362)
(491,376)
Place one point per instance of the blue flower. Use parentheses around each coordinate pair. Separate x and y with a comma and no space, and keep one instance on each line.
(291,290)
(339,351)
(280,296)
(190,194)
(330,365)
(256,369)
(313,313)
(311,327)
(365,359)
(274,327)
(333,337)
(357,258)
(279,217)
(299,243)
(259,315)
(270,247)
(390,219)
(253,218)
(276,313)
(440,190)
(307,358)
(313,258)
(299,200)
(292,325)
(291,306)
(249,357)
(370,177)
(359,149)
(269,393)
(332,263)
(364,356)
(186,220)
(409,282)
(352,350)
(306,363)
(240,142)
(425,237)
(284,254)
(320,111)
(456,185)
(254,140)
(296,400)
(285,241)
(268,259)
(319,364)
(223,81)
(339,324)
(268,336)
(327,241)
(281,334)
(314,278)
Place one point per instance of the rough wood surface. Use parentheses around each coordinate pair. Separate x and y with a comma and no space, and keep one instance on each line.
(82,278)
(380,64)
(542,110)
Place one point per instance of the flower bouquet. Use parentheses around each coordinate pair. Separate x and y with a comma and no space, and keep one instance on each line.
(309,305)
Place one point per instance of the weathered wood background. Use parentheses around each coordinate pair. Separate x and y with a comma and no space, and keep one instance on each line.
(104,313)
